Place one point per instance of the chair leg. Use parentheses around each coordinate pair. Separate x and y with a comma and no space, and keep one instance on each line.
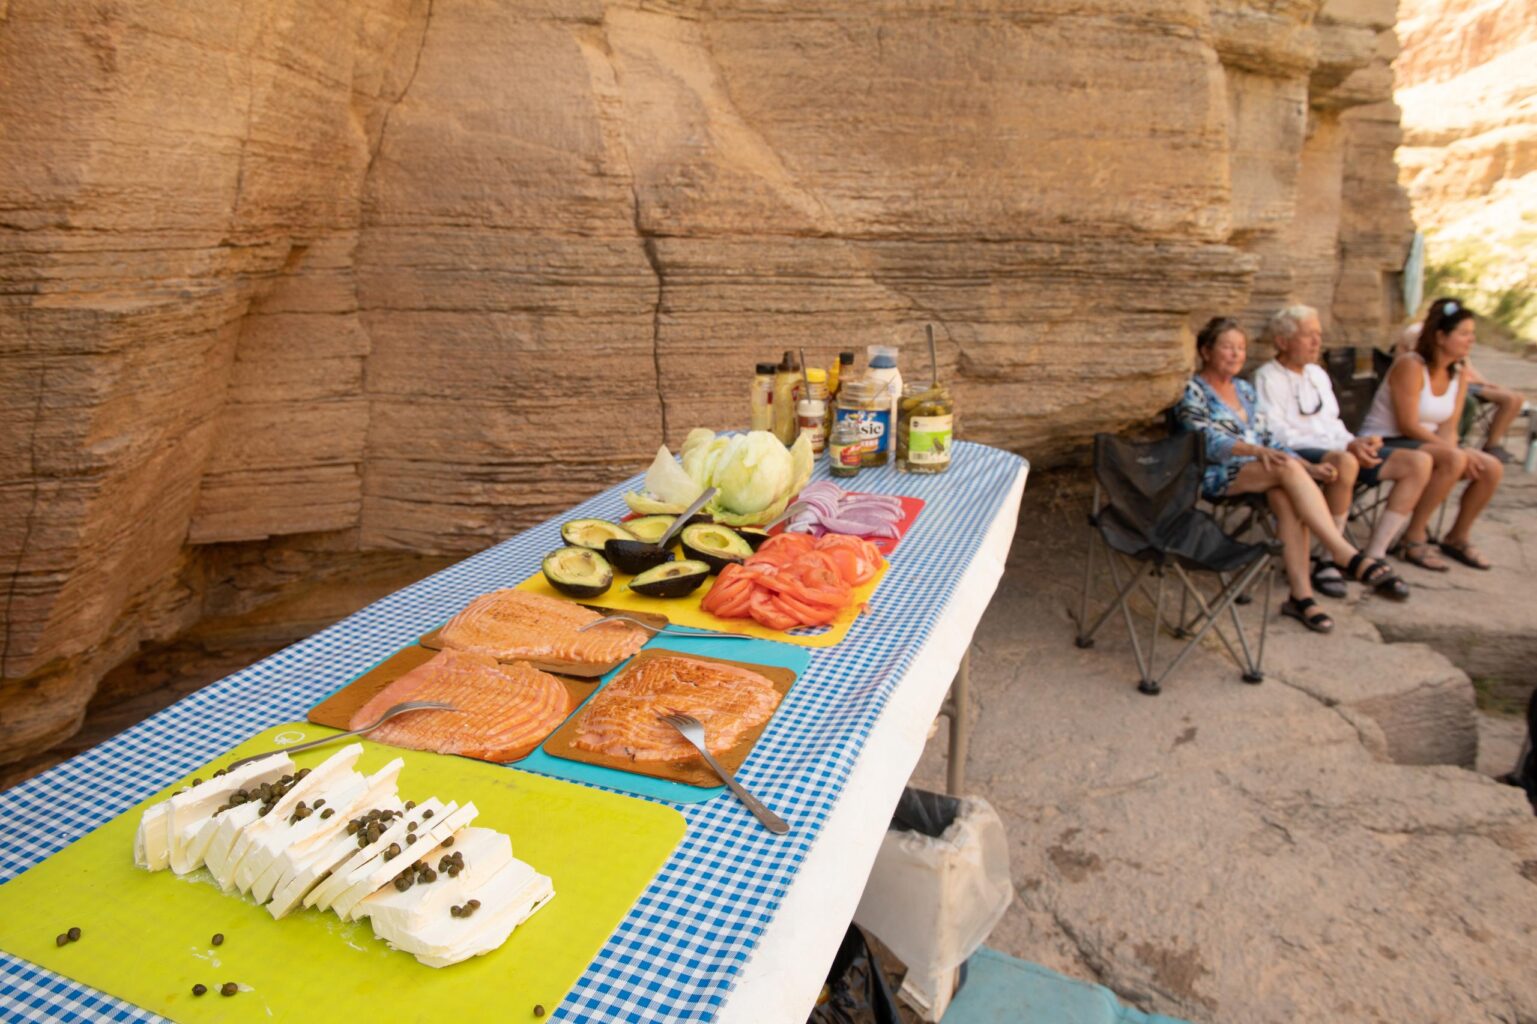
(1224,602)
(1087,639)
(1082,639)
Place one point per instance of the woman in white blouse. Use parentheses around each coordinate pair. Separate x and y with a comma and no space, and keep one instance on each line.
(1418,405)
(1299,404)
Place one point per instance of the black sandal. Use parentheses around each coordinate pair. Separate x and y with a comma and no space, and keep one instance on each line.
(1318,622)
(1465,553)
(1417,552)
(1376,574)
(1327,580)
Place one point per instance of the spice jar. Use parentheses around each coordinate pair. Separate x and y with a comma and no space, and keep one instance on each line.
(864,401)
(925,428)
(811,415)
(763,397)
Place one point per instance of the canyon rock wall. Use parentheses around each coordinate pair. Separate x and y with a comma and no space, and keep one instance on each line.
(1467,83)
(292,282)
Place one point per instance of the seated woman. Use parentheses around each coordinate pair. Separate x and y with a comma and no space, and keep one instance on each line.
(1243,459)
(1508,404)
(1418,405)
(1297,400)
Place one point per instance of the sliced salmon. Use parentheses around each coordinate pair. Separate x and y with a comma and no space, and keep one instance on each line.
(513,625)
(503,709)
(729,702)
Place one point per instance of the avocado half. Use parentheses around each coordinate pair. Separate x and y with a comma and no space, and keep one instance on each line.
(578,572)
(650,528)
(593,533)
(635,556)
(674,579)
(753,536)
(716,546)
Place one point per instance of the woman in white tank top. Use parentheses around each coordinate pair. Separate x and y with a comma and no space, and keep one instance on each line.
(1419,405)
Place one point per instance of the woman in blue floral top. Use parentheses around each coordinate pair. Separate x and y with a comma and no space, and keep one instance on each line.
(1242,458)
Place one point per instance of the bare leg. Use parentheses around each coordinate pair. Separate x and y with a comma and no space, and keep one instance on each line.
(1306,499)
(1409,470)
(1295,544)
(1342,488)
(1475,496)
(1447,466)
(1507,408)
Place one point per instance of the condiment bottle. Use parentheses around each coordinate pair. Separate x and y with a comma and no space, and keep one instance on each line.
(844,446)
(883,370)
(812,416)
(763,397)
(786,376)
(841,369)
(925,428)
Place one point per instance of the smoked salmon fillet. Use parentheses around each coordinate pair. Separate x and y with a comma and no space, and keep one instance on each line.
(503,709)
(515,625)
(622,719)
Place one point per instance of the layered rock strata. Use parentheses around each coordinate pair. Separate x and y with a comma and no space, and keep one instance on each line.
(1467,83)
(412,274)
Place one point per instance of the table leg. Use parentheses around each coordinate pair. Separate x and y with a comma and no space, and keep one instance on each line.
(960,732)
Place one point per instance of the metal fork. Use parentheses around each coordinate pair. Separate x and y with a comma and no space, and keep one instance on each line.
(708,634)
(693,731)
(398,709)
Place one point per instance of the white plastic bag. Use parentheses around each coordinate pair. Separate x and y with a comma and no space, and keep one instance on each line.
(933,901)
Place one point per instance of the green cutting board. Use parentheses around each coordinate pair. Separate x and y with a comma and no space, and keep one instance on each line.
(146,936)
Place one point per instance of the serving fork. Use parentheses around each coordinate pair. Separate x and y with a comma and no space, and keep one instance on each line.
(398,709)
(693,731)
(668,630)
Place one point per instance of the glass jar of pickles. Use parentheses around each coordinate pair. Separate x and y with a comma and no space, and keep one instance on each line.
(925,428)
(862,401)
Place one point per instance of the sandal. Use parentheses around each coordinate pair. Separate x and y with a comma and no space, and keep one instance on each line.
(1465,553)
(1376,574)
(1299,609)
(1418,552)
(1327,580)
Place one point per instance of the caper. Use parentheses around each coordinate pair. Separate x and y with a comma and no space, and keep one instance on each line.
(229,988)
(197,782)
(410,839)
(352,828)
(426,815)
(453,911)
(74,934)
(198,990)
(303,773)
(403,883)
(327,813)
(473,904)
(61,939)
(449,841)
(318,804)
(218,938)
(412,826)
(410,804)
(538,1009)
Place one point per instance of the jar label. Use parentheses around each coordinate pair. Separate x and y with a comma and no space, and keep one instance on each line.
(928,440)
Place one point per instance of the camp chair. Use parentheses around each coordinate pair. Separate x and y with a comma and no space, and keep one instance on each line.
(1144,515)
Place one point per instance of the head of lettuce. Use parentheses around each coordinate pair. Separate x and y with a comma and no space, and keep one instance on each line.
(754,474)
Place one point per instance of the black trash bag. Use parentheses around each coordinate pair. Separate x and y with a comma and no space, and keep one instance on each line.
(923,812)
(856,991)
(1525,774)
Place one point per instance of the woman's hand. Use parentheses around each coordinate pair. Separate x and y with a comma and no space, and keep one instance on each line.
(1271,459)
(1475,468)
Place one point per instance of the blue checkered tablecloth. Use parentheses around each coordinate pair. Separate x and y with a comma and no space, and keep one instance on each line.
(677,954)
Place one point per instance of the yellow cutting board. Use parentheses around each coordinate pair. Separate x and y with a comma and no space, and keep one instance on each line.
(685,611)
(146,936)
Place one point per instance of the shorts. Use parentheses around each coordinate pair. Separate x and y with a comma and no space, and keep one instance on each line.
(1369,476)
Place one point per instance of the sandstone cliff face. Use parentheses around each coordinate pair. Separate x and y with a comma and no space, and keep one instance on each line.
(409,275)
(1467,82)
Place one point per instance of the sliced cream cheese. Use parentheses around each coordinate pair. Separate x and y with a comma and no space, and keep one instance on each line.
(309,863)
(266,853)
(155,844)
(150,850)
(507,899)
(222,830)
(267,838)
(187,811)
(344,877)
(382,871)
(275,821)
(485,850)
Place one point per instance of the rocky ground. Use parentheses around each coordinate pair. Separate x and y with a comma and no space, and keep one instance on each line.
(1314,848)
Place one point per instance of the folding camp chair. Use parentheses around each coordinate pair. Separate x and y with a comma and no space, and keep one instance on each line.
(1145,516)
